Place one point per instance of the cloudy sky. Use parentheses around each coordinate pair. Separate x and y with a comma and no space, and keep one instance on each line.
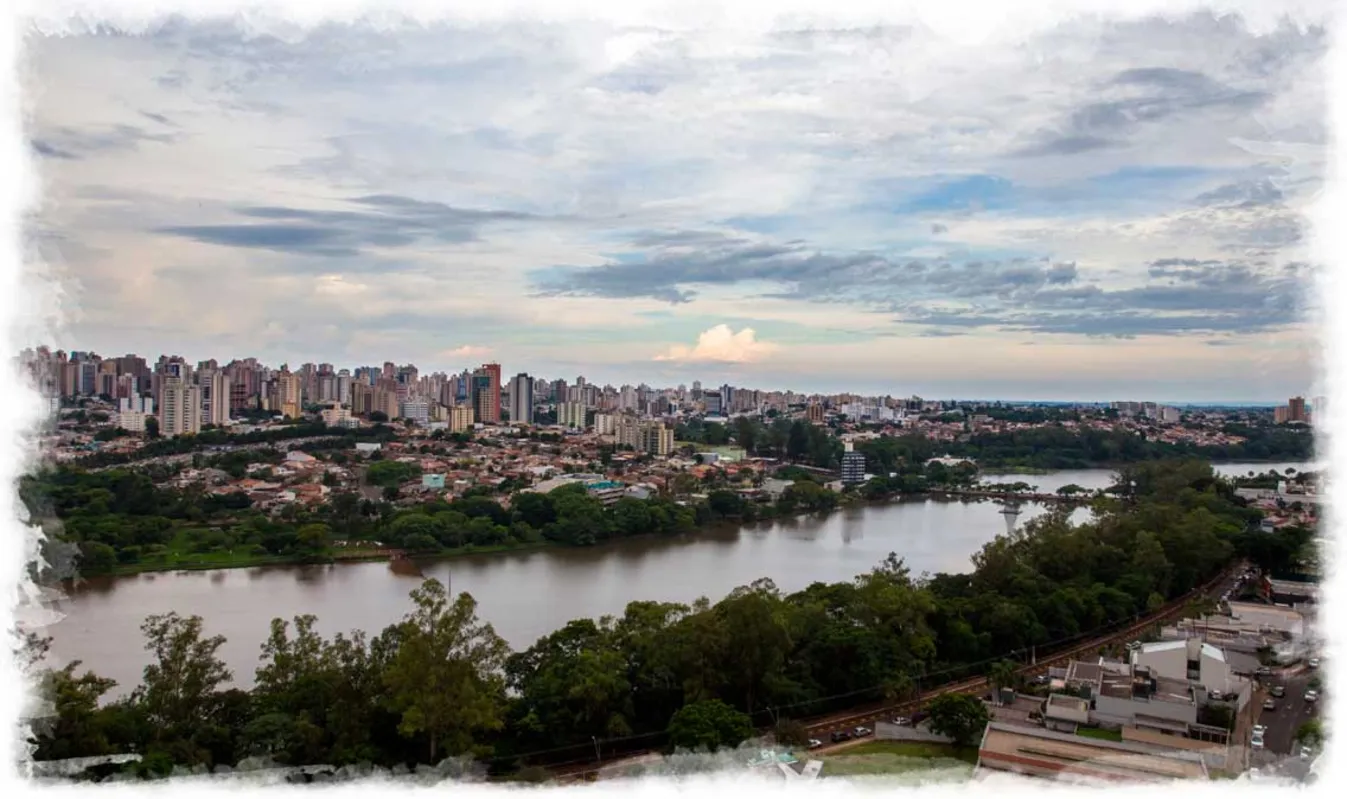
(1097,211)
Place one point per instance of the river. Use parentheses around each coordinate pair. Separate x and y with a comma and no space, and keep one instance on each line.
(526,595)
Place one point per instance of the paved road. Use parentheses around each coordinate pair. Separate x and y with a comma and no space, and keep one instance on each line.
(1282,723)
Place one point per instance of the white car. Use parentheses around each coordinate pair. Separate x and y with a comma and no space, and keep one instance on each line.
(1258,730)
(1306,753)
(1257,741)
(1313,663)
(1311,695)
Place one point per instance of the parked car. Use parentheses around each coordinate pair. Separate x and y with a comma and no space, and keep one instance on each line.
(1311,696)
(901,721)
(1279,691)
(861,732)
(1269,704)
(1306,753)
(1313,663)
(840,736)
(815,743)
(1257,741)
(1259,729)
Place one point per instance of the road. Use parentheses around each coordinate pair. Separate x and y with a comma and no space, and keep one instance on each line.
(1282,723)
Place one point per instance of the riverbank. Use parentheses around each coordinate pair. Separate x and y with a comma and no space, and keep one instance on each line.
(181,557)
(177,559)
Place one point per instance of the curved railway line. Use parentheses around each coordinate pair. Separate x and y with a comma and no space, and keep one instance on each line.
(879,711)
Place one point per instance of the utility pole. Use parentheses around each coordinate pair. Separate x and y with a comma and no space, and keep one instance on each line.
(597,755)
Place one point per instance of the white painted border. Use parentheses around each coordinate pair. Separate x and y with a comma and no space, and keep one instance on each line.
(28,300)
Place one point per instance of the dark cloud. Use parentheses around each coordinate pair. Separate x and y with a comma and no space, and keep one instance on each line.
(70,143)
(1147,96)
(281,238)
(384,221)
(160,118)
(1245,194)
(672,273)
(47,150)
(1186,295)
(1058,144)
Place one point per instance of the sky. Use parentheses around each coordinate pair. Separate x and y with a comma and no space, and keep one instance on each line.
(1100,210)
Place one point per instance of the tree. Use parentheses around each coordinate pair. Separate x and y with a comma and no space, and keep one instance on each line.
(446,679)
(151,427)
(709,724)
(313,539)
(178,686)
(789,732)
(97,557)
(958,716)
(1311,733)
(1003,674)
(75,730)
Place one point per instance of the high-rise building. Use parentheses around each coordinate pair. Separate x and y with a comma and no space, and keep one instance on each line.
(460,418)
(853,466)
(571,414)
(386,402)
(1296,410)
(521,399)
(486,393)
(416,410)
(628,431)
(814,413)
(657,439)
(180,409)
(289,389)
(215,396)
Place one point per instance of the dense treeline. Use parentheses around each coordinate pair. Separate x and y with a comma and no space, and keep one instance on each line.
(796,441)
(221,437)
(1056,447)
(442,683)
(119,518)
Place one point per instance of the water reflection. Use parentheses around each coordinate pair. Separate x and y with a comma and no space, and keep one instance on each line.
(526,595)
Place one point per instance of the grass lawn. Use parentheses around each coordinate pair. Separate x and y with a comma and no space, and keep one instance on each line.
(1102,735)
(900,757)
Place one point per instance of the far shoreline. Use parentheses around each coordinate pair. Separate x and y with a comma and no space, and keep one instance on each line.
(355,556)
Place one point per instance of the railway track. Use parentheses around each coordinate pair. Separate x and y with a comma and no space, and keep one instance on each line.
(881,711)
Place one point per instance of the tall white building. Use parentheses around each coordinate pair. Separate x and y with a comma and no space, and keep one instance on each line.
(416,410)
(344,387)
(521,399)
(136,404)
(214,386)
(180,408)
(571,414)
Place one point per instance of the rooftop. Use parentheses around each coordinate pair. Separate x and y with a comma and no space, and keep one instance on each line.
(1051,754)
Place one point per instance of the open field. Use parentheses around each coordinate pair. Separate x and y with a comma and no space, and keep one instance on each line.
(875,758)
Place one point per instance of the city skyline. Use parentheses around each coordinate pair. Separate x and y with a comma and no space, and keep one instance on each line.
(507,378)
(1102,208)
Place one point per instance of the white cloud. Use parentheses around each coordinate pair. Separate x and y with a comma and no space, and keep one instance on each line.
(599,131)
(720,344)
(465,351)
